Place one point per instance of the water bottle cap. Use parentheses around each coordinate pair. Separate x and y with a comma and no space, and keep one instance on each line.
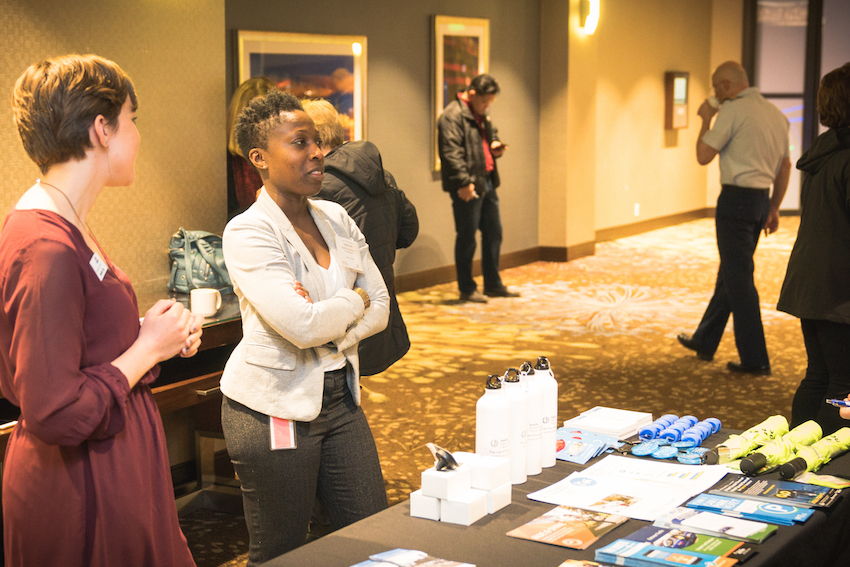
(494,382)
(511,375)
(526,368)
(542,363)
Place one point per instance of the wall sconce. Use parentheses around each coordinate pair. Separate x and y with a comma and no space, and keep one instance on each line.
(588,15)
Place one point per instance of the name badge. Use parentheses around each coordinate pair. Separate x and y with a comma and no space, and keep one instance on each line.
(98,265)
(282,433)
(348,254)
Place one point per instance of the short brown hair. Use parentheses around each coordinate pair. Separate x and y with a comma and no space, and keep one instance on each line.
(56,101)
(834,98)
(327,122)
(244,93)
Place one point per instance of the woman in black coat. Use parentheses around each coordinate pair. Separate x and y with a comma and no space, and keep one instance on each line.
(817,283)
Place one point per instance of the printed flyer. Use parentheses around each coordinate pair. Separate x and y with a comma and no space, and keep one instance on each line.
(568,527)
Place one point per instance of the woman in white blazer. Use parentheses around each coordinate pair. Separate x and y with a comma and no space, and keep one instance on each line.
(308,292)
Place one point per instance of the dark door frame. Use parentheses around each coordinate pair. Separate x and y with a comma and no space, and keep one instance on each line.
(811,81)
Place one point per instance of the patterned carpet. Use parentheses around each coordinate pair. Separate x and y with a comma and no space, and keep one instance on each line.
(607,323)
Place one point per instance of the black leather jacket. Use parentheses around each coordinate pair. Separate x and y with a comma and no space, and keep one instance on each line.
(461,150)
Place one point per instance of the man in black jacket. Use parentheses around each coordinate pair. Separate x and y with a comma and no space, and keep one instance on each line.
(469,146)
(356,179)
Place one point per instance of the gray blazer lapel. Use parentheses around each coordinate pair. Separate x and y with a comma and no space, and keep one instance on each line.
(316,285)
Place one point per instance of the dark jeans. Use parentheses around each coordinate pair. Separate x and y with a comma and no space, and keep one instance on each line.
(335,460)
(740,218)
(471,216)
(827,374)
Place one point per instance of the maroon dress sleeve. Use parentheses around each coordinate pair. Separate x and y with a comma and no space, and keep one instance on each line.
(63,400)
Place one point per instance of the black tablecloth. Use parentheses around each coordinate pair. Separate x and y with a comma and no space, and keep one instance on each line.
(824,540)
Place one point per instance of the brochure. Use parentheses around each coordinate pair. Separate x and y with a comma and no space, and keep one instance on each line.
(579,446)
(780,491)
(751,509)
(642,554)
(635,488)
(408,558)
(690,541)
(568,527)
(716,524)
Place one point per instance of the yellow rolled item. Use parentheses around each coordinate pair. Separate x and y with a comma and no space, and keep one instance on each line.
(782,449)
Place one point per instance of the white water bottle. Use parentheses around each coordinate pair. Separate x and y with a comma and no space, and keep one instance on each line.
(533,462)
(492,421)
(548,439)
(518,400)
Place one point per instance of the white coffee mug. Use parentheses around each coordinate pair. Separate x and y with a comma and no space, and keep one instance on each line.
(205,301)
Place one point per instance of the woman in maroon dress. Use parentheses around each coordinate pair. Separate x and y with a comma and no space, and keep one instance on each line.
(85,477)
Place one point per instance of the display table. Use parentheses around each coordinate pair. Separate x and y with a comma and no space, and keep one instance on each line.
(818,542)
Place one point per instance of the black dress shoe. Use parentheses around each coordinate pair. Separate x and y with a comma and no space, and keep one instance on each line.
(755,370)
(501,292)
(474,297)
(687,342)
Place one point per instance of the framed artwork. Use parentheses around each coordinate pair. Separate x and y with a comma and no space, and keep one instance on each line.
(461,52)
(332,67)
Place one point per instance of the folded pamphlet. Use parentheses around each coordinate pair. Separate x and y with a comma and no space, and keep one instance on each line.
(579,446)
(568,527)
(778,491)
(643,554)
(408,558)
(685,540)
(716,524)
(751,509)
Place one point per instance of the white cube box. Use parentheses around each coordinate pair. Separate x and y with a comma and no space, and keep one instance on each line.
(422,506)
(465,509)
(446,485)
(498,498)
(487,472)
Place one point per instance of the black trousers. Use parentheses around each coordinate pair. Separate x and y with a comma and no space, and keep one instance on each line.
(470,217)
(335,459)
(740,218)
(827,374)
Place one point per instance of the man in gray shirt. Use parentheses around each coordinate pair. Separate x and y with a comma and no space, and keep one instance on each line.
(751,136)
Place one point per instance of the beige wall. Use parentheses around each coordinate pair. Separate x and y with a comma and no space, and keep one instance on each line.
(399,85)
(637,160)
(727,31)
(582,133)
(603,146)
(174,52)
(554,102)
(176,60)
